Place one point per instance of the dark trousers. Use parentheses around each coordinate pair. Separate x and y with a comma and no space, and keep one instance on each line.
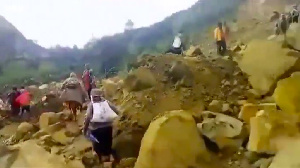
(221,47)
(89,92)
(295,19)
(25,109)
(175,50)
(104,136)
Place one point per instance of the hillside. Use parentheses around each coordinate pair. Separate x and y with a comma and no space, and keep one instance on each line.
(108,52)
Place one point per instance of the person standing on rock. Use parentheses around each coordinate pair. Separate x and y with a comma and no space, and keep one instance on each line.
(295,14)
(87,79)
(15,106)
(73,94)
(282,26)
(177,46)
(98,125)
(220,39)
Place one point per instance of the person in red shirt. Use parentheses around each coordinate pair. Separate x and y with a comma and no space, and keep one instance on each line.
(88,80)
(24,100)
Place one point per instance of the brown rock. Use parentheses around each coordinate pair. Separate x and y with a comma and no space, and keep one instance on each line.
(24,129)
(215,106)
(263,73)
(181,73)
(72,130)
(162,140)
(194,51)
(139,79)
(47,119)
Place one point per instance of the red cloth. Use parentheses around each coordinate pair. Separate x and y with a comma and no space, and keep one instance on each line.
(24,99)
(87,79)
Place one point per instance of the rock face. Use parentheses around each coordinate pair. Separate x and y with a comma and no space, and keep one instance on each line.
(269,128)
(221,129)
(288,157)
(47,119)
(263,73)
(194,51)
(139,79)
(287,95)
(165,138)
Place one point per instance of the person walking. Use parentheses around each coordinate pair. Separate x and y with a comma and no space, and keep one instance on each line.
(220,39)
(98,126)
(73,94)
(14,105)
(295,14)
(282,26)
(87,79)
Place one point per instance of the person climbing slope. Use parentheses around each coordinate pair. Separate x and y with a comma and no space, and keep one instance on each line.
(98,125)
(15,106)
(87,79)
(220,39)
(177,46)
(282,26)
(24,100)
(73,94)
(295,14)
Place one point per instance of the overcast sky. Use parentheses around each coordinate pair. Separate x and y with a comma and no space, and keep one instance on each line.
(69,22)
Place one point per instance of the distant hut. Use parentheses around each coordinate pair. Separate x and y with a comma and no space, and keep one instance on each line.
(129,25)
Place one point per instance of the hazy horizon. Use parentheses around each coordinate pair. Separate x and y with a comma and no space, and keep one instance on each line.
(75,22)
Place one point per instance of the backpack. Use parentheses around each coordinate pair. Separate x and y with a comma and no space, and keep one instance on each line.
(102,112)
(72,84)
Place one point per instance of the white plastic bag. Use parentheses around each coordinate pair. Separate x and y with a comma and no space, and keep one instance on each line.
(102,112)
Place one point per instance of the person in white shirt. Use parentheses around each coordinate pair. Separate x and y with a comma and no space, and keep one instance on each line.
(177,46)
(295,14)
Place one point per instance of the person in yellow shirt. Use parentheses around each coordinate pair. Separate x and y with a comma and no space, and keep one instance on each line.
(220,39)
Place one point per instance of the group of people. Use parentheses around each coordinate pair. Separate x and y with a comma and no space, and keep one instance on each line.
(283,24)
(221,34)
(19,101)
(99,116)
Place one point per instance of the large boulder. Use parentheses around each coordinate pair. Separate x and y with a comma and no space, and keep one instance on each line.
(47,119)
(181,73)
(268,129)
(44,87)
(263,73)
(24,129)
(172,140)
(127,144)
(287,95)
(288,157)
(139,79)
(221,129)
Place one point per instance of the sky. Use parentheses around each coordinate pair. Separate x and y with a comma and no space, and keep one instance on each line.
(75,22)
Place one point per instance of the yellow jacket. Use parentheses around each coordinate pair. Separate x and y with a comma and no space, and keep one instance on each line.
(219,34)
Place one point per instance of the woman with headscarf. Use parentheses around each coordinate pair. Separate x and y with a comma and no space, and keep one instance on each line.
(98,126)
(73,94)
